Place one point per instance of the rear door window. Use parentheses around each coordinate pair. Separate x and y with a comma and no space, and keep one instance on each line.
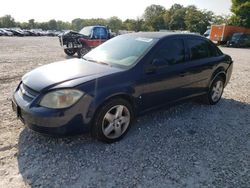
(172,51)
(200,49)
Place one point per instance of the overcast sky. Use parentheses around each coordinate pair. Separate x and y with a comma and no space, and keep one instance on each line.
(66,10)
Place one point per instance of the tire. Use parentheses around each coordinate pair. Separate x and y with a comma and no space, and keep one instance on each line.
(82,51)
(113,120)
(70,52)
(215,91)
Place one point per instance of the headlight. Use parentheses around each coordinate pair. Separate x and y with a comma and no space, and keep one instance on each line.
(62,98)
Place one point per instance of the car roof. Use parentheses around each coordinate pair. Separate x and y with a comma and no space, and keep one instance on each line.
(161,35)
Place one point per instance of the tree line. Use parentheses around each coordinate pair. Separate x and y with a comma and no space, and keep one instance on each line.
(155,18)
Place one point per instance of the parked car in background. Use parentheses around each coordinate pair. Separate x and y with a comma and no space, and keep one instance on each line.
(220,34)
(87,38)
(52,33)
(207,33)
(6,32)
(124,77)
(27,32)
(16,32)
(239,40)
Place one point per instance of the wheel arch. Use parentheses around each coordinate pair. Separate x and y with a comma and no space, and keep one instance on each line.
(123,96)
(82,41)
(220,72)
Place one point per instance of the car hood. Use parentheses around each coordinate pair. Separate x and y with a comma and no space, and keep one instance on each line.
(57,73)
(72,34)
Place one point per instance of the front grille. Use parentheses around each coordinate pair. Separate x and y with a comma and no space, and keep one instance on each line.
(27,93)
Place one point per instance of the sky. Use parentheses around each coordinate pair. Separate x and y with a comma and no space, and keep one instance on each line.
(67,10)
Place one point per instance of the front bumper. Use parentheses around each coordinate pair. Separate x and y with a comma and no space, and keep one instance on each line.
(69,44)
(56,122)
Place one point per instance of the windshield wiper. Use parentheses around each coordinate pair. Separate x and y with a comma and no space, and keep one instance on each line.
(94,61)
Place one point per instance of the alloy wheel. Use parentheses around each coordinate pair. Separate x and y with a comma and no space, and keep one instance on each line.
(116,121)
(217,91)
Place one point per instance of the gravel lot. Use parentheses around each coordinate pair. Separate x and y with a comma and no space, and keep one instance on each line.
(190,145)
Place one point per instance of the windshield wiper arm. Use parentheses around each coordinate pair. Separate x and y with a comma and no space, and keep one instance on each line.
(94,61)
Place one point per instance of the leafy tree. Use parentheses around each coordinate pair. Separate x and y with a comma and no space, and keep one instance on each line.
(235,20)
(177,20)
(114,23)
(63,25)
(129,24)
(23,25)
(43,25)
(219,19)
(133,25)
(154,17)
(176,15)
(52,24)
(76,24)
(196,20)
(138,25)
(241,10)
(32,24)
(7,21)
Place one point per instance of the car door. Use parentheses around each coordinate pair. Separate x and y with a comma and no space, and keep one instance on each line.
(201,60)
(246,40)
(99,36)
(164,77)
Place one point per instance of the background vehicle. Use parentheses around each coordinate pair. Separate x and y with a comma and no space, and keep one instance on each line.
(16,32)
(5,32)
(239,40)
(81,43)
(138,73)
(222,33)
(207,33)
(27,32)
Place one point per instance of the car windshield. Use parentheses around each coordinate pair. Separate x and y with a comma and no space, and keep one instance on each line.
(86,31)
(122,51)
(236,36)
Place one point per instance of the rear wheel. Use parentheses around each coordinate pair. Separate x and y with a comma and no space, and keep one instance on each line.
(113,120)
(70,52)
(215,91)
(82,51)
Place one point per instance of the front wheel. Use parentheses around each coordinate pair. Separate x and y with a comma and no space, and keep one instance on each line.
(215,91)
(82,51)
(70,52)
(112,120)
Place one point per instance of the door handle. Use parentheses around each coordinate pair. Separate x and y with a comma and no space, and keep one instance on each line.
(182,74)
(150,69)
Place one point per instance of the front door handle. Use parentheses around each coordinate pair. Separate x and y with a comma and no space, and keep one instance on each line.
(182,74)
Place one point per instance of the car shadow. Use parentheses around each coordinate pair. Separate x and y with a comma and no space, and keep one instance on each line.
(240,48)
(179,146)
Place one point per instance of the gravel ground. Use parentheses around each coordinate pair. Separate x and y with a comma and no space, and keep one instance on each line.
(190,145)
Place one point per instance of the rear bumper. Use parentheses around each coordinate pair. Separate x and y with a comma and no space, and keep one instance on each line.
(229,73)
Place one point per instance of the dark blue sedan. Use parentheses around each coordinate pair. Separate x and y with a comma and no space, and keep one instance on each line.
(123,78)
